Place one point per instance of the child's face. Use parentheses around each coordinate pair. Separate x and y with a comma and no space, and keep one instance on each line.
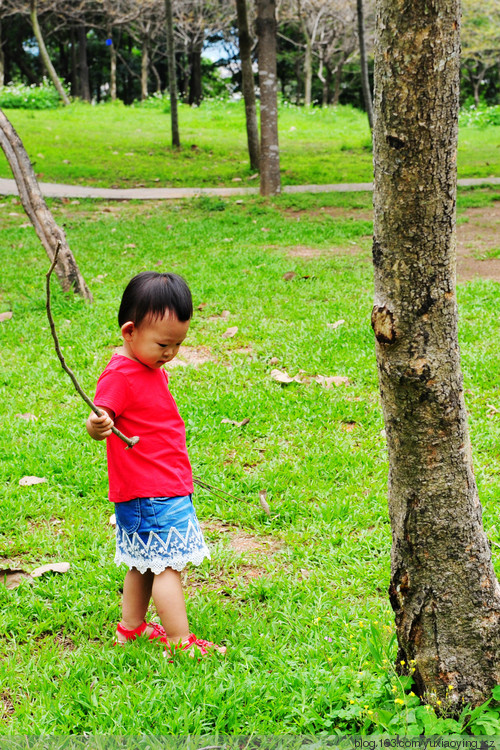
(156,340)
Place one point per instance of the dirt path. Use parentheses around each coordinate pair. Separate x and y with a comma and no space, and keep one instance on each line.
(478,240)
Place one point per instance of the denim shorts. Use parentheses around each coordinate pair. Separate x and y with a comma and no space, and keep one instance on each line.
(154,533)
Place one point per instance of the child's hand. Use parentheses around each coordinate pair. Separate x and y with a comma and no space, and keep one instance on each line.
(99,428)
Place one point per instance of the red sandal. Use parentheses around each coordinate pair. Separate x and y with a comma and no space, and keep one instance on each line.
(205,648)
(131,635)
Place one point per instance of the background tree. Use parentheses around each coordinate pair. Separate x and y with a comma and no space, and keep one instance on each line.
(443,588)
(248,84)
(172,82)
(480,41)
(365,79)
(270,180)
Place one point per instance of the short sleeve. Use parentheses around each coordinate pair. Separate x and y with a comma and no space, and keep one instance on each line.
(113,390)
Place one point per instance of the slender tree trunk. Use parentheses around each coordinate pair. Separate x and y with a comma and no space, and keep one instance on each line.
(74,80)
(49,233)
(172,81)
(112,65)
(195,83)
(2,59)
(443,588)
(247,84)
(83,64)
(44,54)
(157,78)
(308,74)
(338,80)
(270,180)
(144,68)
(365,78)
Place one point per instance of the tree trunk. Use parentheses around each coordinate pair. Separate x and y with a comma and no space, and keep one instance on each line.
(195,86)
(365,78)
(443,588)
(112,68)
(83,67)
(44,54)
(308,74)
(270,181)
(144,68)
(338,80)
(49,233)
(172,81)
(157,78)
(247,84)
(2,59)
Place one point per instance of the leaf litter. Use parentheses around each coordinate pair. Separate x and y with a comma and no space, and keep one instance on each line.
(327,382)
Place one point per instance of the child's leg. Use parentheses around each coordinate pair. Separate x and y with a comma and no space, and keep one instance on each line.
(136,595)
(168,598)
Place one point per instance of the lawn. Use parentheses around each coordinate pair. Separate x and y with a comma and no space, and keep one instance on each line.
(113,145)
(298,596)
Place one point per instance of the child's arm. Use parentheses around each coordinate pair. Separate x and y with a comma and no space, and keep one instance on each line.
(99,428)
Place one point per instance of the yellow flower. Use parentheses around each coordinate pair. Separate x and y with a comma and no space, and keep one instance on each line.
(438,702)
(402,662)
(450,687)
(398,700)
(370,712)
(351,702)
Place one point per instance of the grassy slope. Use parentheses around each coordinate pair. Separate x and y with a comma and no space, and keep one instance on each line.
(304,634)
(112,145)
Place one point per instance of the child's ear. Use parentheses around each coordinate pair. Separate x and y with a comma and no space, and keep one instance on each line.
(127,330)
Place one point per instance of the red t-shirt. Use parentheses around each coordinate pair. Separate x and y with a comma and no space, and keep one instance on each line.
(158,466)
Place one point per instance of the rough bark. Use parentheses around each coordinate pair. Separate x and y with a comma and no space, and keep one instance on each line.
(49,233)
(270,180)
(45,55)
(365,78)
(83,68)
(247,84)
(172,81)
(443,588)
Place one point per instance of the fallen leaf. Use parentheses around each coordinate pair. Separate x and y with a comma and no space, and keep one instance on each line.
(238,203)
(225,314)
(335,380)
(253,176)
(264,229)
(50,568)
(202,305)
(27,417)
(492,410)
(236,179)
(264,505)
(65,200)
(112,520)
(273,361)
(12,577)
(335,325)
(236,424)
(289,275)
(131,244)
(28,481)
(5,316)
(282,377)
(230,332)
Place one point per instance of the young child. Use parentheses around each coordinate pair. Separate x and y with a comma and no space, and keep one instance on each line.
(157,531)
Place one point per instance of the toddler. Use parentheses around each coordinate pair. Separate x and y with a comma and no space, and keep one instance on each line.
(157,531)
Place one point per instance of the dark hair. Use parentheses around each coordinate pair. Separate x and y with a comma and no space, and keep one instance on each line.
(151,293)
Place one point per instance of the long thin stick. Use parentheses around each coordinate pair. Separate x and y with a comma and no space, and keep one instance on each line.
(129,441)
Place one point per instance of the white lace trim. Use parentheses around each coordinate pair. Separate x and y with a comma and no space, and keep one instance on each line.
(157,554)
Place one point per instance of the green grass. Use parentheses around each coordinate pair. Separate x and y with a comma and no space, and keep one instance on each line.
(305,615)
(130,146)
